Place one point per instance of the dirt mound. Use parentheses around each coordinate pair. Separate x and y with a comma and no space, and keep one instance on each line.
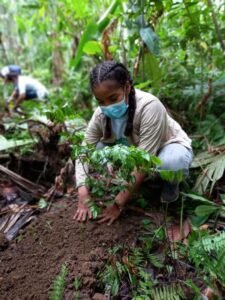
(31,262)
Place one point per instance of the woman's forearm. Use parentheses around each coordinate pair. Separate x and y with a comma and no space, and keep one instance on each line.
(83,193)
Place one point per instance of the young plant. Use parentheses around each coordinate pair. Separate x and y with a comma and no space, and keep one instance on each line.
(58,285)
(123,161)
(77,285)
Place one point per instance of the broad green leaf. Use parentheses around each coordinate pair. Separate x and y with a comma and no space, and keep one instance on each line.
(167,175)
(151,40)
(92,48)
(93,29)
(105,19)
(198,220)
(156,160)
(88,34)
(212,173)
(7,144)
(197,197)
(222,197)
(205,210)
(151,69)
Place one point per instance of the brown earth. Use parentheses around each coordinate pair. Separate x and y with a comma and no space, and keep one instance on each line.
(30,263)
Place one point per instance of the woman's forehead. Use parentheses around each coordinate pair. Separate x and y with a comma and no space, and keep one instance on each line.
(107,87)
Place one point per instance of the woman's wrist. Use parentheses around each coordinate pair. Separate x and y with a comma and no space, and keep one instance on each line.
(83,195)
(122,198)
(119,207)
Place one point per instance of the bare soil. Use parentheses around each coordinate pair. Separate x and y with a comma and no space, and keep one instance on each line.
(31,262)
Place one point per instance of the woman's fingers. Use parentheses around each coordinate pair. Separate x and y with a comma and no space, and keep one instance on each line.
(80,215)
(111,221)
(76,214)
(108,219)
(83,215)
(103,219)
(90,214)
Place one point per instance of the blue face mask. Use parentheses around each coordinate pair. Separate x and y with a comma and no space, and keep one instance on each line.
(115,111)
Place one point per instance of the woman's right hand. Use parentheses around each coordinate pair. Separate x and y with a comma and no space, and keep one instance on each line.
(83,212)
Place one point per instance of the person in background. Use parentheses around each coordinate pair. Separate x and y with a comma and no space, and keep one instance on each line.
(25,87)
(131,117)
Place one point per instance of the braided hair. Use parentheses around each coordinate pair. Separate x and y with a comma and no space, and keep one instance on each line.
(111,70)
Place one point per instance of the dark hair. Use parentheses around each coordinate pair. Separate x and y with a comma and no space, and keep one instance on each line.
(11,77)
(111,70)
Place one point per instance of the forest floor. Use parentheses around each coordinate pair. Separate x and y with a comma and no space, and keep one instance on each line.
(31,262)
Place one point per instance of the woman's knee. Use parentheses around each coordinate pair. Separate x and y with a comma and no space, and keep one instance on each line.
(176,160)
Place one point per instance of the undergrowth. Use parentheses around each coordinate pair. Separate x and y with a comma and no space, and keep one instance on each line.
(58,285)
(157,269)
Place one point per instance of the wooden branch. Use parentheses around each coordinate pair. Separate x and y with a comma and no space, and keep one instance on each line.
(137,63)
(201,105)
(35,189)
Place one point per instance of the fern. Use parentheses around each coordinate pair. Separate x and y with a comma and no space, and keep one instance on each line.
(59,285)
(167,292)
(208,255)
(155,261)
(137,257)
(216,242)
(110,277)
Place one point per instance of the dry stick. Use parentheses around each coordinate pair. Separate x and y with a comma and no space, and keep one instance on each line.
(49,126)
(168,240)
(124,57)
(25,183)
(140,210)
(11,212)
(137,63)
(200,106)
(44,170)
(4,156)
(181,218)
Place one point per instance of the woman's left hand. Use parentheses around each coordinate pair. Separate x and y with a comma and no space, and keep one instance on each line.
(110,214)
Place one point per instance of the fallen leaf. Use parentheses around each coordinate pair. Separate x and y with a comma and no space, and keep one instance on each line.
(174,233)
(204,227)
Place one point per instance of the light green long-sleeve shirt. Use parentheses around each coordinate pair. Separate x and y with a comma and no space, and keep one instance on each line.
(153,128)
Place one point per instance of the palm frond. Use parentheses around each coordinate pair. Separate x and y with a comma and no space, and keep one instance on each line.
(214,167)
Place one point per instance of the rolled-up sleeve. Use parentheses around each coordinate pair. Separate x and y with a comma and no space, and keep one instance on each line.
(93,135)
(153,127)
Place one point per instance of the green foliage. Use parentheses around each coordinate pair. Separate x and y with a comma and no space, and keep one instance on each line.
(202,208)
(167,292)
(216,242)
(150,39)
(208,254)
(58,285)
(77,283)
(5,144)
(190,57)
(93,29)
(94,208)
(132,267)
(213,166)
(124,161)
(206,210)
